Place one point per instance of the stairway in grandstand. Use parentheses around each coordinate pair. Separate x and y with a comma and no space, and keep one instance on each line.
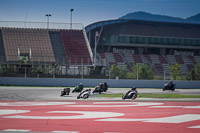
(58,49)
(2,52)
(75,47)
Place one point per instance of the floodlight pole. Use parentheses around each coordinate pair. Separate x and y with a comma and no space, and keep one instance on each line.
(71,10)
(48,15)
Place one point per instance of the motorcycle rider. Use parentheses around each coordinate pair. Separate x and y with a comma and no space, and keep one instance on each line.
(131,94)
(65,91)
(81,86)
(105,86)
(88,91)
(78,88)
(81,95)
(101,85)
(133,89)
(170,84)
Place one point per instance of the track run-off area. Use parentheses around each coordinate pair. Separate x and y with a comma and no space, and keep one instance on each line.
(99,117)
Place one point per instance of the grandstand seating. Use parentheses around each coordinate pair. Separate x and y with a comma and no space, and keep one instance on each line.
(128,57)
(25,39)
(118,57)
(179,59)
(58,49)
(137,58)
(75,47)
(159,63)
(192,59)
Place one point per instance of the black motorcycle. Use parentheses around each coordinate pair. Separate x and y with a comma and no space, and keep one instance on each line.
(130,95)
(98,89)
(169,87)
(84,94)
(65,91)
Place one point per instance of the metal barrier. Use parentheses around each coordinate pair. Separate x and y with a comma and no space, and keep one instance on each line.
(41,25)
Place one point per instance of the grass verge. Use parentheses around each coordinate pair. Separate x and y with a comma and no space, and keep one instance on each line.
(150,95)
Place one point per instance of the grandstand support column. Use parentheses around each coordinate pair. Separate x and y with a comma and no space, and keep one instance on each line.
(137,73)
(82,68)
(95,48)
(25,73)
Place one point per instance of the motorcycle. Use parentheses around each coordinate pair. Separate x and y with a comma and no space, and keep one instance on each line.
(65,91)
(98,89)
(130,95)
(84,94)
(77,89)
(169,87)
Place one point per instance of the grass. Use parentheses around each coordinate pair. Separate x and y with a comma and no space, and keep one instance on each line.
(150,95)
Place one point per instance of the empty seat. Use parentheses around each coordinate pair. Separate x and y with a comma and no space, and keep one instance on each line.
(34,42)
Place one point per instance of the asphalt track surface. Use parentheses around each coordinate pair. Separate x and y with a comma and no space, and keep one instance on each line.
(53,93)
(36,110)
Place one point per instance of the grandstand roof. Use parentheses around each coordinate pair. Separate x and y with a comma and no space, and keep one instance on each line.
(150,28)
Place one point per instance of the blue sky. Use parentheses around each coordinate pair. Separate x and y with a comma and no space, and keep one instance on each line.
(89,11)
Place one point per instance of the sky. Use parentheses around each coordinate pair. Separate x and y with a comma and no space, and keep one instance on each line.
(90,11)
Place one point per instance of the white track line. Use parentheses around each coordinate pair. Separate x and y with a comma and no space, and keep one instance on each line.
(195,127)
(16,130)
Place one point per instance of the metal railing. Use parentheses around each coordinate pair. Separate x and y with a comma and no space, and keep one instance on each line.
(40,25)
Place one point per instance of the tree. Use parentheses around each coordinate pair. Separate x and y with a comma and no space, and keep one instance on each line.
(145,72)
(194,74)
(5,69)
(24,59)
(38,70)
(141,71)
(175,71)
(118,71)
(114,71)
(123,72)
(54,69)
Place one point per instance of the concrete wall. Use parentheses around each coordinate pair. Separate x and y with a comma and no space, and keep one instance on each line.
(94,82)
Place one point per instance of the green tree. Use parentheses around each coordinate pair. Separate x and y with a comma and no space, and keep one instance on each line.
(54,69)
(24,59)
(114,71)
(194,74)
(38,70)
(118,71)
(145,72)
(141,71)
(175,71)
(3,69)
(123,72)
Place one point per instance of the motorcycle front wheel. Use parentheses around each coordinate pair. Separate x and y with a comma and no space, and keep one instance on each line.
(134,97)
(123,97)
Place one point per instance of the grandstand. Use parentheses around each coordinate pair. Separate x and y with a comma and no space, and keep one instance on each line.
(159,44)
(27,46)
(99,45)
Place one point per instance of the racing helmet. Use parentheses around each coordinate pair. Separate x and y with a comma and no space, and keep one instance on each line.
(133,88)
